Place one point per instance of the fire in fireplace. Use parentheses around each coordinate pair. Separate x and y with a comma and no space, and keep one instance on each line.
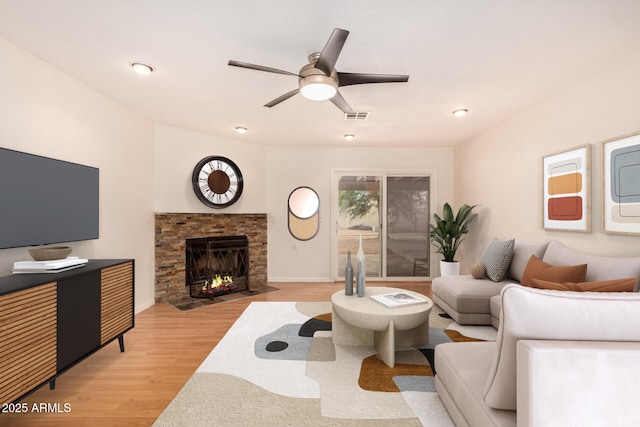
(217,265)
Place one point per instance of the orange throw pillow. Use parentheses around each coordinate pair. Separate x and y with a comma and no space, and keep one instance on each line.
(617,285)
(538,269)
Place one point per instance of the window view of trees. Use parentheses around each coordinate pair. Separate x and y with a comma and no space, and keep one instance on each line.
(407,222)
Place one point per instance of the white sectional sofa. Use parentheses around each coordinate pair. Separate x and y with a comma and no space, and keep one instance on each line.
(560,359)
(471,301)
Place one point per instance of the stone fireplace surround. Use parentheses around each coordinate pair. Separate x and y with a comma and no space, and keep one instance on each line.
(172,230)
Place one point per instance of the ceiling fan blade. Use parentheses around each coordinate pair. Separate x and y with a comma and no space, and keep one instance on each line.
(331,51)
(260,68)
(347,79)
(281,98)
(341,103)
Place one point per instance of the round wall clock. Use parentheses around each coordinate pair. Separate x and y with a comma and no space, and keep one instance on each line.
(217,181)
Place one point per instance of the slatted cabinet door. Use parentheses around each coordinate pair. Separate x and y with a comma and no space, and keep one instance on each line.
(27,340)
(116,301)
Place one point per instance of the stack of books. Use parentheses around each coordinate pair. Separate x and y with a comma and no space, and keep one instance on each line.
(53,266)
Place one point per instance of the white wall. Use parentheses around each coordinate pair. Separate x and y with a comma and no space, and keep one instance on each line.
(176,153)
(501,169)
(270,174)
(48,113)
(291,167)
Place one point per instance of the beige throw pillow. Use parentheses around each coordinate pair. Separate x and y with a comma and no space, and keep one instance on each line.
(477,271)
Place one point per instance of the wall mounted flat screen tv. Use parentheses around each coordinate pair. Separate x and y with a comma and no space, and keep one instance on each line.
(44,200)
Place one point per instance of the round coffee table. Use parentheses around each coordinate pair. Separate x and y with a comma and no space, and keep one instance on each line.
(363,321)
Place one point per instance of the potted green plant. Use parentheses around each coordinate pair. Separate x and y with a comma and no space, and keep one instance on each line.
(447,234)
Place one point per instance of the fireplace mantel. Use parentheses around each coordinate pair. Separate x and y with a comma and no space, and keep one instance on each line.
(172,231)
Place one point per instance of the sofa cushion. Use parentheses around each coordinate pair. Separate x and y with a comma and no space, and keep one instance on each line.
(542,314)
(615,285)
(600,267)
(495,304)
(538,269)
(462,370)
(522,251)
(496,258)
(578,383)
(465,294)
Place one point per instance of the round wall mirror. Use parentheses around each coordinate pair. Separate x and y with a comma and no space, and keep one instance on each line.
(304,216)
(304,202)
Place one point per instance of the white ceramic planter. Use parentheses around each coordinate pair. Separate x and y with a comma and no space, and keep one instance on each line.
(449,268)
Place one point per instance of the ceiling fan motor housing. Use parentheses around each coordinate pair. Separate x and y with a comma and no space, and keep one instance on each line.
(314,83)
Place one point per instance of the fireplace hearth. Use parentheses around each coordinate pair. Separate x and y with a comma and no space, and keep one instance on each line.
(217,265)
(172,232)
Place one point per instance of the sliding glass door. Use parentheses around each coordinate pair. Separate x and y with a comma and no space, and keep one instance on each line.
(359,216)
(390,212)
(407,218)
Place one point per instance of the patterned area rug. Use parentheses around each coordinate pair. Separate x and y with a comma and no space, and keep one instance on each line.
(277,365)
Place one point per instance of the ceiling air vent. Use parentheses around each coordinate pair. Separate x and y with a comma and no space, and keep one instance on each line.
(356,116)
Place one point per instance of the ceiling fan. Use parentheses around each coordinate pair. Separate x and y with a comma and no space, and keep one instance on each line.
(319,81)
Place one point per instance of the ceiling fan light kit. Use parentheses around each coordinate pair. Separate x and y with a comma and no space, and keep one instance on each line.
(318,80)
(317,91)
(314,84)
(318,87)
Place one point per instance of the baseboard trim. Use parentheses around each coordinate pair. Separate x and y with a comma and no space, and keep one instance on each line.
(144,306)
(299,279)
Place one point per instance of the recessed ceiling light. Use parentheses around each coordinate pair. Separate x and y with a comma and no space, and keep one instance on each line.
(461,112)
(142,68)
(241,129)
(349,137)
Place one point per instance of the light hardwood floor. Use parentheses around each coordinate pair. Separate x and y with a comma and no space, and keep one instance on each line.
(166,346)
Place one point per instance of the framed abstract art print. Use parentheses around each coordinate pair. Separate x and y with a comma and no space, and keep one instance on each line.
(621,184)
(567,190)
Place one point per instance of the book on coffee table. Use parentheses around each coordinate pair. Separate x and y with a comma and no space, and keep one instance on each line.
(398,299)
